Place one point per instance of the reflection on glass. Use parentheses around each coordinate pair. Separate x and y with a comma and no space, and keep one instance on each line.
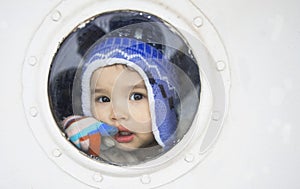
(124,88)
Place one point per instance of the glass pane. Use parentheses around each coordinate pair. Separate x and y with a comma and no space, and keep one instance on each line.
(124,87)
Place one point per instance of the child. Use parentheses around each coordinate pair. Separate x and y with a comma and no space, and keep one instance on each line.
(129,102)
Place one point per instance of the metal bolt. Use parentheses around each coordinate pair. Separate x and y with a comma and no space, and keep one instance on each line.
(221,65)
(32,61)
(189,158)
(97,177)
(56,16)
(33,111)
(145,179)
(56,153)
(198,22)
(215,116)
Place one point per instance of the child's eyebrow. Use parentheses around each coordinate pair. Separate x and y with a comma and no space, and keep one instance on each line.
(139,86)
(99,90)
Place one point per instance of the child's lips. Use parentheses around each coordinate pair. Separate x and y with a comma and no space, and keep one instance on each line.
(124,135)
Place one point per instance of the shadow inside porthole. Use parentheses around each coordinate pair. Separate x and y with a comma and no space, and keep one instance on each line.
(128,58)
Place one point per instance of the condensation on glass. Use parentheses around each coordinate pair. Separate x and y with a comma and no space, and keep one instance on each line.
(144,44)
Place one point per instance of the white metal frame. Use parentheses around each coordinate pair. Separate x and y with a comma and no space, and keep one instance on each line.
(215,79)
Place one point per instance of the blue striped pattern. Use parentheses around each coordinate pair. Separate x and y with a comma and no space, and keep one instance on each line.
(157,68)
(98,127)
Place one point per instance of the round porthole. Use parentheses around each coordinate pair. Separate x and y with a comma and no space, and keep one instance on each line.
(125,94)
(129,79)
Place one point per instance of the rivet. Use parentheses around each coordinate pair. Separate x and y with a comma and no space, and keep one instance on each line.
(198,22)
(97,177)
(32,61)
(189,158)
(33,111)
(56,153)
(215,116)
(145,179)
(221,65)
(56,15)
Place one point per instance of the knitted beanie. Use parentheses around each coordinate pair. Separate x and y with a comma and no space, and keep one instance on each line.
(157,72)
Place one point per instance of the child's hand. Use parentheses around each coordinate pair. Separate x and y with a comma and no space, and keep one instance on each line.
(86,132)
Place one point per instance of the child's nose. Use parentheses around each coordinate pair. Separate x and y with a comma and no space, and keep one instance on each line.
(116,116)
(119,111)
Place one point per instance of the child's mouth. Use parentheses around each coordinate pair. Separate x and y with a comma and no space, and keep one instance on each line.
(124,135)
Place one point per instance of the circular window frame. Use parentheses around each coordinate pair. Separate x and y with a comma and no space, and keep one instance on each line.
(215,85)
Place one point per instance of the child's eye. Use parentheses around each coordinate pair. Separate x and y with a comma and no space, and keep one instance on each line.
(103,99)
(136,96)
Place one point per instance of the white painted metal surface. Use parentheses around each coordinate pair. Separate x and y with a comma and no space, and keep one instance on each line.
(258,146)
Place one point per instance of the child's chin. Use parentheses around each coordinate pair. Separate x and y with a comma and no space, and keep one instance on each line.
(126,147)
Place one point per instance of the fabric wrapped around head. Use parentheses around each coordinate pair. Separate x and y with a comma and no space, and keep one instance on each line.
(157,72)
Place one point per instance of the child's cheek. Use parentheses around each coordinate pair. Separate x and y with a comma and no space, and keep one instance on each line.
(140,112)
(100,112)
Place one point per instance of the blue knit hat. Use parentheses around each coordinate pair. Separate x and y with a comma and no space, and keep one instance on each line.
(158,74)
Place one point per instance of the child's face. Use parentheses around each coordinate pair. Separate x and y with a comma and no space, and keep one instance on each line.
(119,98)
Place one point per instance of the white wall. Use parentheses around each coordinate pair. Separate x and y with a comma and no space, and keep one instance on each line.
(259,145)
